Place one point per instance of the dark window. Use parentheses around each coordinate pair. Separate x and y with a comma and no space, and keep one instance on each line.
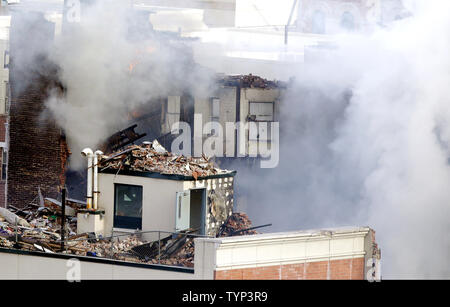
(128,206)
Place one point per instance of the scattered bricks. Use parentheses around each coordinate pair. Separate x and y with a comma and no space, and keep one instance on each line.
(155,158)
(249,81)
(236,222)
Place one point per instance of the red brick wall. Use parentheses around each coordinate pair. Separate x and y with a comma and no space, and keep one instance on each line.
(34,148)
(335,269)
(3,120)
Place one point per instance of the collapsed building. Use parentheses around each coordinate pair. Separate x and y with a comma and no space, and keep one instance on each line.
(146,194)
(146,187)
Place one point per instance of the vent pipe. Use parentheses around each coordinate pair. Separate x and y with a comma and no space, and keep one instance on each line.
(87,152)
(96,154)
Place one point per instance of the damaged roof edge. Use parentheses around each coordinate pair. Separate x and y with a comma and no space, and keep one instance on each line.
(164,176)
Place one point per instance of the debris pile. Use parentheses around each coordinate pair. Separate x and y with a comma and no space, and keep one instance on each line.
(178,250)
(38,229)
(33,228)
(237,224)
(153,157)
(249,81)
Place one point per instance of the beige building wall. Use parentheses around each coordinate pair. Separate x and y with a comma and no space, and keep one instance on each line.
(158,201)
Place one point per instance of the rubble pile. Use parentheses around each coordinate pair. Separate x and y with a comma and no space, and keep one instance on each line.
(5,243)
(39,230)
(249,81)
(237,224)
(33,228)
(117,248)
(153,157)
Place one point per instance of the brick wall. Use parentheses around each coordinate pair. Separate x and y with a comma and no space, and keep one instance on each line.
(35,148)
(3,120)
(35,158)
(335,269)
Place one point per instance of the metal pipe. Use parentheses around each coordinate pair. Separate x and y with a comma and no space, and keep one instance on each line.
(286,27)
(87,152)
(96,192)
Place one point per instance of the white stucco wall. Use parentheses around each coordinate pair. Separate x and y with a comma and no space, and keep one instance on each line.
(158,200)
(23,266)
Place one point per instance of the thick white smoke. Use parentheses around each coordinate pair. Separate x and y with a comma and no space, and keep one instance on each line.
(365,132)
(377,155)
(110,64)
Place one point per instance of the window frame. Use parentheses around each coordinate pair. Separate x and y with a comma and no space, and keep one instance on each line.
(4,164)
(268,122)
(127,222)
(214,117)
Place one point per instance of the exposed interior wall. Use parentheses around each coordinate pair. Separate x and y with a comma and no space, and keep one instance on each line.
(255,95)
(197,216)
(219,200)
(227,104)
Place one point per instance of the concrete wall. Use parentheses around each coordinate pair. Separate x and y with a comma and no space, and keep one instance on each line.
(228,111)
(318,254)
(256,95)
(227,96)
(24,265)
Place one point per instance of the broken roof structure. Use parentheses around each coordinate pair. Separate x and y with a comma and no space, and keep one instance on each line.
(153,160)
(249,81)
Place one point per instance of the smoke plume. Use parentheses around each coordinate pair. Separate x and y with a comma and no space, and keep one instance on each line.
(365,141)
(111,63)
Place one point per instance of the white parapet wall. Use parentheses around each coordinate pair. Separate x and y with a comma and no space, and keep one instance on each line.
(16,264)
(277,250)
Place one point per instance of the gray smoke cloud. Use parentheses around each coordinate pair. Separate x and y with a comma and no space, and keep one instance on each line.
(110,65)
(365,141)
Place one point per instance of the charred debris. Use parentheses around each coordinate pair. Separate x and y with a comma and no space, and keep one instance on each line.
(152,157)
(37,226)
